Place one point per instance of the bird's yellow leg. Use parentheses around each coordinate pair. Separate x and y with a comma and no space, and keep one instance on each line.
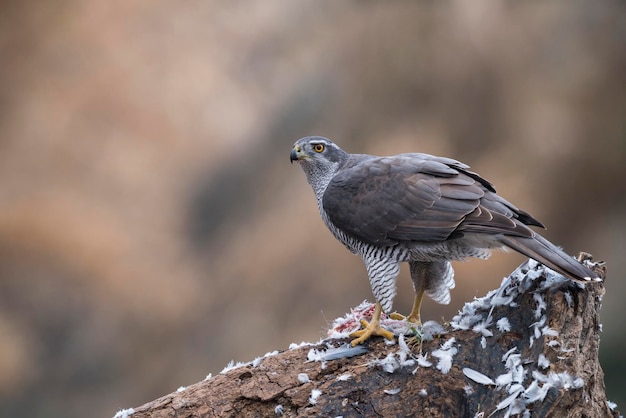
(414,316)
(371,328)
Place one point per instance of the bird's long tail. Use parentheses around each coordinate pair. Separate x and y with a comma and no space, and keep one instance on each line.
(543,251)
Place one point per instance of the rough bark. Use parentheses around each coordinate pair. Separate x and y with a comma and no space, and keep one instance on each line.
(542,361)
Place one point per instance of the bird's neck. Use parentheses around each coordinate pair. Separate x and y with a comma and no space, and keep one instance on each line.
(319,180)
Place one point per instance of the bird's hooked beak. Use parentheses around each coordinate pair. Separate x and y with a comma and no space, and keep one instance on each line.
(296,154)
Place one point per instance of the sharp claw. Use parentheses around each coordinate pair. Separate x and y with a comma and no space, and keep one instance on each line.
(369,330)
(397,316)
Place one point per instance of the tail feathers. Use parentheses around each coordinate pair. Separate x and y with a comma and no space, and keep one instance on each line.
(543,251)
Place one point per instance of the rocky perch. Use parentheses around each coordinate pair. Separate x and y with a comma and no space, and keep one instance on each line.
(528,348)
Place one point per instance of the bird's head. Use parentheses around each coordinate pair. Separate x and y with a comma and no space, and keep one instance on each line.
(317,150)
(320,159)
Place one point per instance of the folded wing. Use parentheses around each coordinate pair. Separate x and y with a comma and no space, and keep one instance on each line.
(418,197)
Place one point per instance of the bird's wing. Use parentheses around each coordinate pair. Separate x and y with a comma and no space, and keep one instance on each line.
(417,197)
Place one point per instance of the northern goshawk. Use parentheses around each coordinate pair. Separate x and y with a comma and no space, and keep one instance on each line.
(420,209)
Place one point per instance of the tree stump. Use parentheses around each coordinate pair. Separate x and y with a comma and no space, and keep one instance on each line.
(528,348)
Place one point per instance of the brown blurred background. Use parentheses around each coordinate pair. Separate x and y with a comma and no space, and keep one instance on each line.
(152,229)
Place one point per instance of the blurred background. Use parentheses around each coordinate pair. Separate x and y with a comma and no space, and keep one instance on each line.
(152,228)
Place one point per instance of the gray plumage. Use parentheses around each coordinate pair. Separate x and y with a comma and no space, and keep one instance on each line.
(420,209)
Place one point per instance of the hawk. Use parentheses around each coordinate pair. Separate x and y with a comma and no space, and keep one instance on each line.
(420,209)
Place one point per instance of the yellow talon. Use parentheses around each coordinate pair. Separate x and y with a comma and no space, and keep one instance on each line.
(414,316)
(397,316)
(371,328)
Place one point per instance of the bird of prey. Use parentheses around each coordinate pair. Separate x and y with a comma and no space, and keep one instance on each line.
(420,209)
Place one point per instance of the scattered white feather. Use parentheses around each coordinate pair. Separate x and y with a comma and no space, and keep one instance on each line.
(502,300)
(389,364)
(518,373)
(611,405)
(315,393)
(565,381)
(535,393)
(483,328)
(503,325)
(541,304)
(181,389)
(303,378)
(543,362)
(392,391)
(422,360)
(396,360)
(432,329)
(335,353)
(124,413)
(537,326)
(293,346)
(404,348)
(553,343)
(232,365)
(464,321)
(422,392)
(540,323)
(390,342)
(504,379)
(208,376)
(512,360)
(517,407)
(448,344)
(568,299)
(344,377)
(540,377)
(469,390)
(258,360)
(279,410)
(534,270)
(404,353)
(556,280)
(478,377)
(508,400)
(506,355)
(445,355)
(483,342)
(549,332)
(315,355)
(520,397)
(578,383)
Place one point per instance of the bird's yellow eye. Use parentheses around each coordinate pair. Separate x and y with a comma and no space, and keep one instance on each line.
(318,147)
